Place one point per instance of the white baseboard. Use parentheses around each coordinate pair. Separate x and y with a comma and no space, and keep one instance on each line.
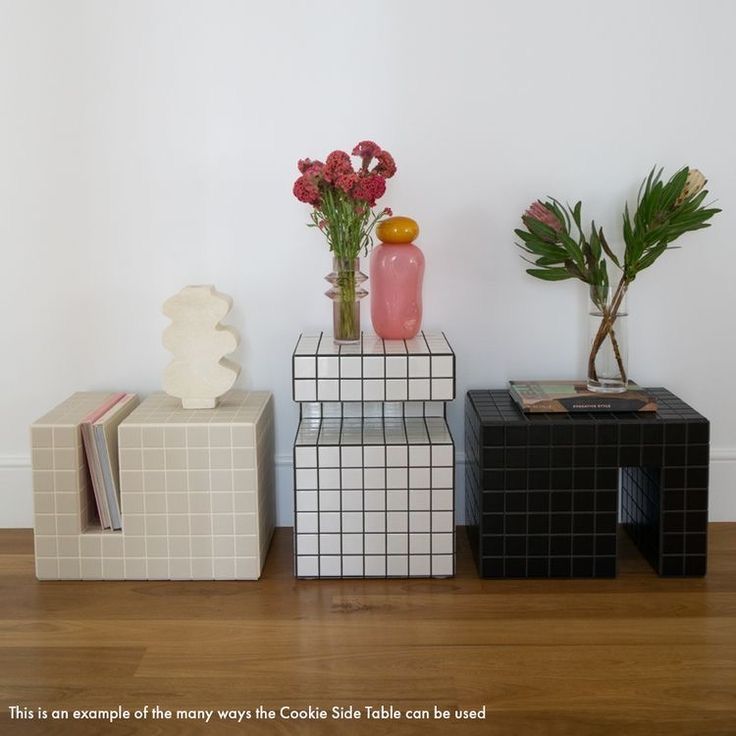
(16,500)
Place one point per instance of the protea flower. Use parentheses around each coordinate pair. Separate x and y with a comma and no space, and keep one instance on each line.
(537,211)
(695,182)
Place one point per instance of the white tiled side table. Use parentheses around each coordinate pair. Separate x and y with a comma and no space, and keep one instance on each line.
(197,492)
(374,458)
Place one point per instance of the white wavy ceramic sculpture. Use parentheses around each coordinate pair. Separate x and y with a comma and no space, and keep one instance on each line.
(199,372)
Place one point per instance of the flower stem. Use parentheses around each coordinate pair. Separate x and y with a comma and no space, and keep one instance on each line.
(606,329)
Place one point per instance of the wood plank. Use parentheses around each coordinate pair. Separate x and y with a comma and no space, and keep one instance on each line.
(635,655)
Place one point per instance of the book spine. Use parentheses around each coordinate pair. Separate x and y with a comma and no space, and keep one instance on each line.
(93,416)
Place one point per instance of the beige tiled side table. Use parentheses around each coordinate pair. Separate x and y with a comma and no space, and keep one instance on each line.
(197,492)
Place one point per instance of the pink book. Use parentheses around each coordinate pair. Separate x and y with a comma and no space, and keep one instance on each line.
(93,416)
(93,460)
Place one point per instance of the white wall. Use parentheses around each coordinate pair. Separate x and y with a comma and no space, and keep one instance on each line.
(145,145)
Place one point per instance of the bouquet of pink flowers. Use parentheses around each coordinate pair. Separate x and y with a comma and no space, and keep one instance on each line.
(342,197)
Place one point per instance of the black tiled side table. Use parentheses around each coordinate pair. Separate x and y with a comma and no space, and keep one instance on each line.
(544,491)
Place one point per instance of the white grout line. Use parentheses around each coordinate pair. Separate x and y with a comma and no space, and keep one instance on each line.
(717,454)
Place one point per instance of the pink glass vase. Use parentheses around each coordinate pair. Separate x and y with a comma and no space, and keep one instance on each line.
(397,270)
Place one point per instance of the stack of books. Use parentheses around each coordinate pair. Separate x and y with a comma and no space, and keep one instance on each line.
(100,438)
(574,396)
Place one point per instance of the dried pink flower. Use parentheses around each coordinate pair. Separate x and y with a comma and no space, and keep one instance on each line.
(306,165)
(370,188)
(386,166)
(346,182)
(306,189)
(537,211)
(367,150)
(337,164)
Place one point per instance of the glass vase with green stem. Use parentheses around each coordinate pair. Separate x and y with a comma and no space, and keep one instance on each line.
(558,247)
(342,199)
(348,228)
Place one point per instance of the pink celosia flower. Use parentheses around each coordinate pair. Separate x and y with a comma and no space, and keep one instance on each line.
(306,189)
(537,211)
(367,150)
(347,181)
(388,212)
(337,164)
(386,166)
(370,188)
(307,165)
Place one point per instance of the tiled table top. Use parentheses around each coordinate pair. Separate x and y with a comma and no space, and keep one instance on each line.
(497,407)
(235,407)
(420,369)
(425,343)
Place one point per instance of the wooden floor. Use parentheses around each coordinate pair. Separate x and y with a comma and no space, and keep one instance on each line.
(632,656)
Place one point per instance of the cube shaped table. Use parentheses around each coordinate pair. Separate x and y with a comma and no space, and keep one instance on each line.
(197,492)
(374,458)
(544,491)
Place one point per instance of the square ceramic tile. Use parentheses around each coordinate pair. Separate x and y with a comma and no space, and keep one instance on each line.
(374,367)
(419,366)
(442,389)
(305,390)
(351,367)
(351,478)
(307,544)
(374,457)
(374,478)
(329,500)
(419,456)
(442,521)
(442,499)
(419,544)
(306,501)
(352,566)
(374,390)
(419,389)
(329,478)
(443,543)
(419,521)
(396,366)
(352,544)
(305,368)
(397,544)
(328,367)
(329,457)
(442,455)
(396,390)
(352,500)
(419,565)
(305,457)
(330,565)
(375,566)
(307,566)
(397,565)
(306,478)
(443,564)
(351,390)
(330,544)
(328,390)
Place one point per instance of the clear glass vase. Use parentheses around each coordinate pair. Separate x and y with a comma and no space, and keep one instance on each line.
(346,293)
(608,370)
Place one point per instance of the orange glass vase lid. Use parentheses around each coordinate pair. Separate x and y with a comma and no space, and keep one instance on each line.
(397,230)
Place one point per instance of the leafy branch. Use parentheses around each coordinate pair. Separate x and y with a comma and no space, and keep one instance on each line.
(665,210)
